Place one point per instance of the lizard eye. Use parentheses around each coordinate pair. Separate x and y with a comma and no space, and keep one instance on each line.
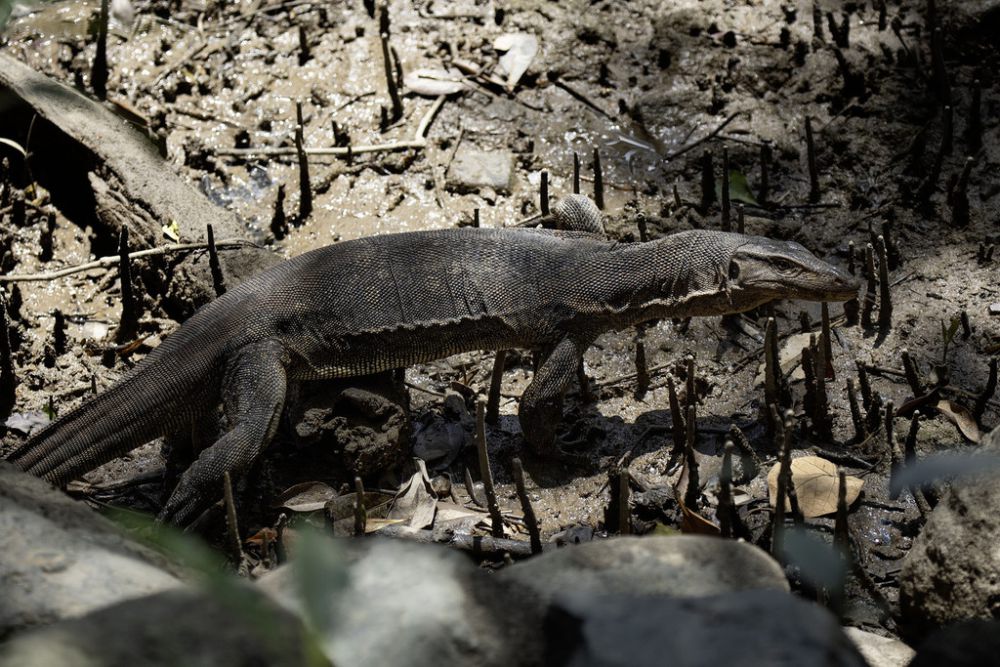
(781,264)
(734,270)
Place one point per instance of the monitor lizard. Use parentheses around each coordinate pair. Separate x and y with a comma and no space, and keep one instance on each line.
(367,305)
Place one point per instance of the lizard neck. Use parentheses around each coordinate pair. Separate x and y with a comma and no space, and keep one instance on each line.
(681,275)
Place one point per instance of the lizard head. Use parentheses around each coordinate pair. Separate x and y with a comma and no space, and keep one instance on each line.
(764,269)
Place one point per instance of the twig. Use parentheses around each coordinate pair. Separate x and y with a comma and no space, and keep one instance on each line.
(697,142)
(419,140)
(113,260)
(481,545)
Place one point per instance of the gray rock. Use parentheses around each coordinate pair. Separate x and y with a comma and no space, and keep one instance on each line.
(684,566)
(748,628)
(968,644)
(179,627)
(971,14)
(952,572)
(473,169)
(879,651)
(61,560)
(419,605)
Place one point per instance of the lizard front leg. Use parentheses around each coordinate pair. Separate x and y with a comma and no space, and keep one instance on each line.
(253,395)
(541,404)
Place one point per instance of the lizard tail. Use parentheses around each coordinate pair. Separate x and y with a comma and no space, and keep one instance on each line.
(133,412)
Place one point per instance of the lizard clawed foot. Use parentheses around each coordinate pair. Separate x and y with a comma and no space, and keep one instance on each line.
(184,505)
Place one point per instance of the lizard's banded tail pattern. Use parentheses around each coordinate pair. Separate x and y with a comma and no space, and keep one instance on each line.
(133,412)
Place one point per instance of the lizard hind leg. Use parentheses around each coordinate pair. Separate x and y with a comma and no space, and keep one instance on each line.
(540,409)
(253,395)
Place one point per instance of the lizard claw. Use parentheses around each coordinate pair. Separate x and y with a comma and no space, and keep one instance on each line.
(184,505)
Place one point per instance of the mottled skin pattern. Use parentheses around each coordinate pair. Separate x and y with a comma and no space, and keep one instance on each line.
(391,301)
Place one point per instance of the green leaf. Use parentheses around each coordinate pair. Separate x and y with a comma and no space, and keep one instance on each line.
(6,7)
(320,575)
(209,569)
(948,331)
(739,189)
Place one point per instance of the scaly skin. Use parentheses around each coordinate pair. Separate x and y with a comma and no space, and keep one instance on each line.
(373,304)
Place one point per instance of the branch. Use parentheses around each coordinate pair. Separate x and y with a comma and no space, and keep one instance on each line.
(104,262)
(419,140)
(698,142)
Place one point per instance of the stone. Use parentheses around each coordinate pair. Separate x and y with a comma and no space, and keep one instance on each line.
(952,571)
(761,627)
(420,606)
(683,566)
(473,169)
(879,651)
(61,560)
(178,627)
(968,644)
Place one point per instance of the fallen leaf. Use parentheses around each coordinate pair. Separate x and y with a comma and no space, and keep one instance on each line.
(694,523)
(306,497)
(172,231)
(520,48)
(94,330)
(789,359)
(457,518)
(739,189)
(815,480)
(27,422)
(342,507)
(449,511)
(960,416)
(262,535)
(374,525)
(434,82)
(414,503)
(13,144)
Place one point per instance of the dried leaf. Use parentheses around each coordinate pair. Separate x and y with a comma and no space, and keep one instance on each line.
(449,511)
(262,535)
(789,359)
(960,416)
(434,82)
(692,522)
(342,507)
(520,48)
(306,497)
(172,231)
(414,503)
(816,481)
(28,422)
(13,144)
(457,518)
(374,525)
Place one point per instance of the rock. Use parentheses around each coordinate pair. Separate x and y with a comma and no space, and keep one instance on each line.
(952,572)
(762,627)
(879,651)
(976,15)
(968,644)
(419,605)
(473,169)
(683,566)
(180,627)
(61,560)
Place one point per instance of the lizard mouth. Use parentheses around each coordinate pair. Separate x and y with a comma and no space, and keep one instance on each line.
(844,288)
